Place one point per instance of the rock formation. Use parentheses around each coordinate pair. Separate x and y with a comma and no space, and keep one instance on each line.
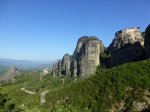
(11,72)
(42,97)
(62,67)
(45,72)
(84,60)
(66,60)
(56,69)
(86,56)
(127,46)
(128,35)
(147,42)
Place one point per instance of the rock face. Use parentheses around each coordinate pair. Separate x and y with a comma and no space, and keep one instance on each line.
(11,72)
(56,69)
(66,60)
(128,35)
(147,42)
(84,60)
(127,46)
(62,67)
(86,56)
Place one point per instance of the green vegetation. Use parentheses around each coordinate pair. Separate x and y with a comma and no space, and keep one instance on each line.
(31,81)
(7,104)
(98,93)
(104,59)
(143,34)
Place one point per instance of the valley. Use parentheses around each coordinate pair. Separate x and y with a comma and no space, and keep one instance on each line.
(93,79)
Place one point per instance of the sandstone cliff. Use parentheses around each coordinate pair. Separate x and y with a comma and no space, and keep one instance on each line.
(9,75)
(127,46)
(147,42)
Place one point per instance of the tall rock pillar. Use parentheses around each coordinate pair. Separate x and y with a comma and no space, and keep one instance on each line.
(86,56)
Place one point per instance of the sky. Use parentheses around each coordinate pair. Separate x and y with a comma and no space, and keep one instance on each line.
(44,30)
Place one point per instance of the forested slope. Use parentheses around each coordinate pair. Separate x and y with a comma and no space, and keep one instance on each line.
(124,88)
(118,88)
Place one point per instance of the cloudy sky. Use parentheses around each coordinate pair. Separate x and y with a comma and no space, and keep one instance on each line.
(47,29)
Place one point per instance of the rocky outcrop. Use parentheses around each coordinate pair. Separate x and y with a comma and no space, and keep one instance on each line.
(84,60)
(147,42)
(128,35)
(56,71)
(45,72)
(9,75)
(66,60)
(62,67)
(86,56)
(127,46)
(42,97)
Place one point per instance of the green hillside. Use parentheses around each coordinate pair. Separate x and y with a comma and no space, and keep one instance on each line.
(115,89)
(105,90)
(30,80)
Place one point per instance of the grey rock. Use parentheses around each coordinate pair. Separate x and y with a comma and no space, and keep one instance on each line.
(42,97)
(84,60)
(86,56)
(128,35)
(127,46)
(147,42)
(74,68)
(66,60)
(9,75)
(56,71)
(127,53)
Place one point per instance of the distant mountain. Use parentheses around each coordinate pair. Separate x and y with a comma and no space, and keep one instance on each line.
(24,64)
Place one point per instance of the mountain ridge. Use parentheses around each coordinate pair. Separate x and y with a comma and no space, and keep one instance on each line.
(24,64)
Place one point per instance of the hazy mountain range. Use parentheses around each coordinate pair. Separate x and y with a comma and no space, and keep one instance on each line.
(24,64)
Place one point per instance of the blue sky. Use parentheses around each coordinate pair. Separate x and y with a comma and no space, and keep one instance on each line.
(47,29)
